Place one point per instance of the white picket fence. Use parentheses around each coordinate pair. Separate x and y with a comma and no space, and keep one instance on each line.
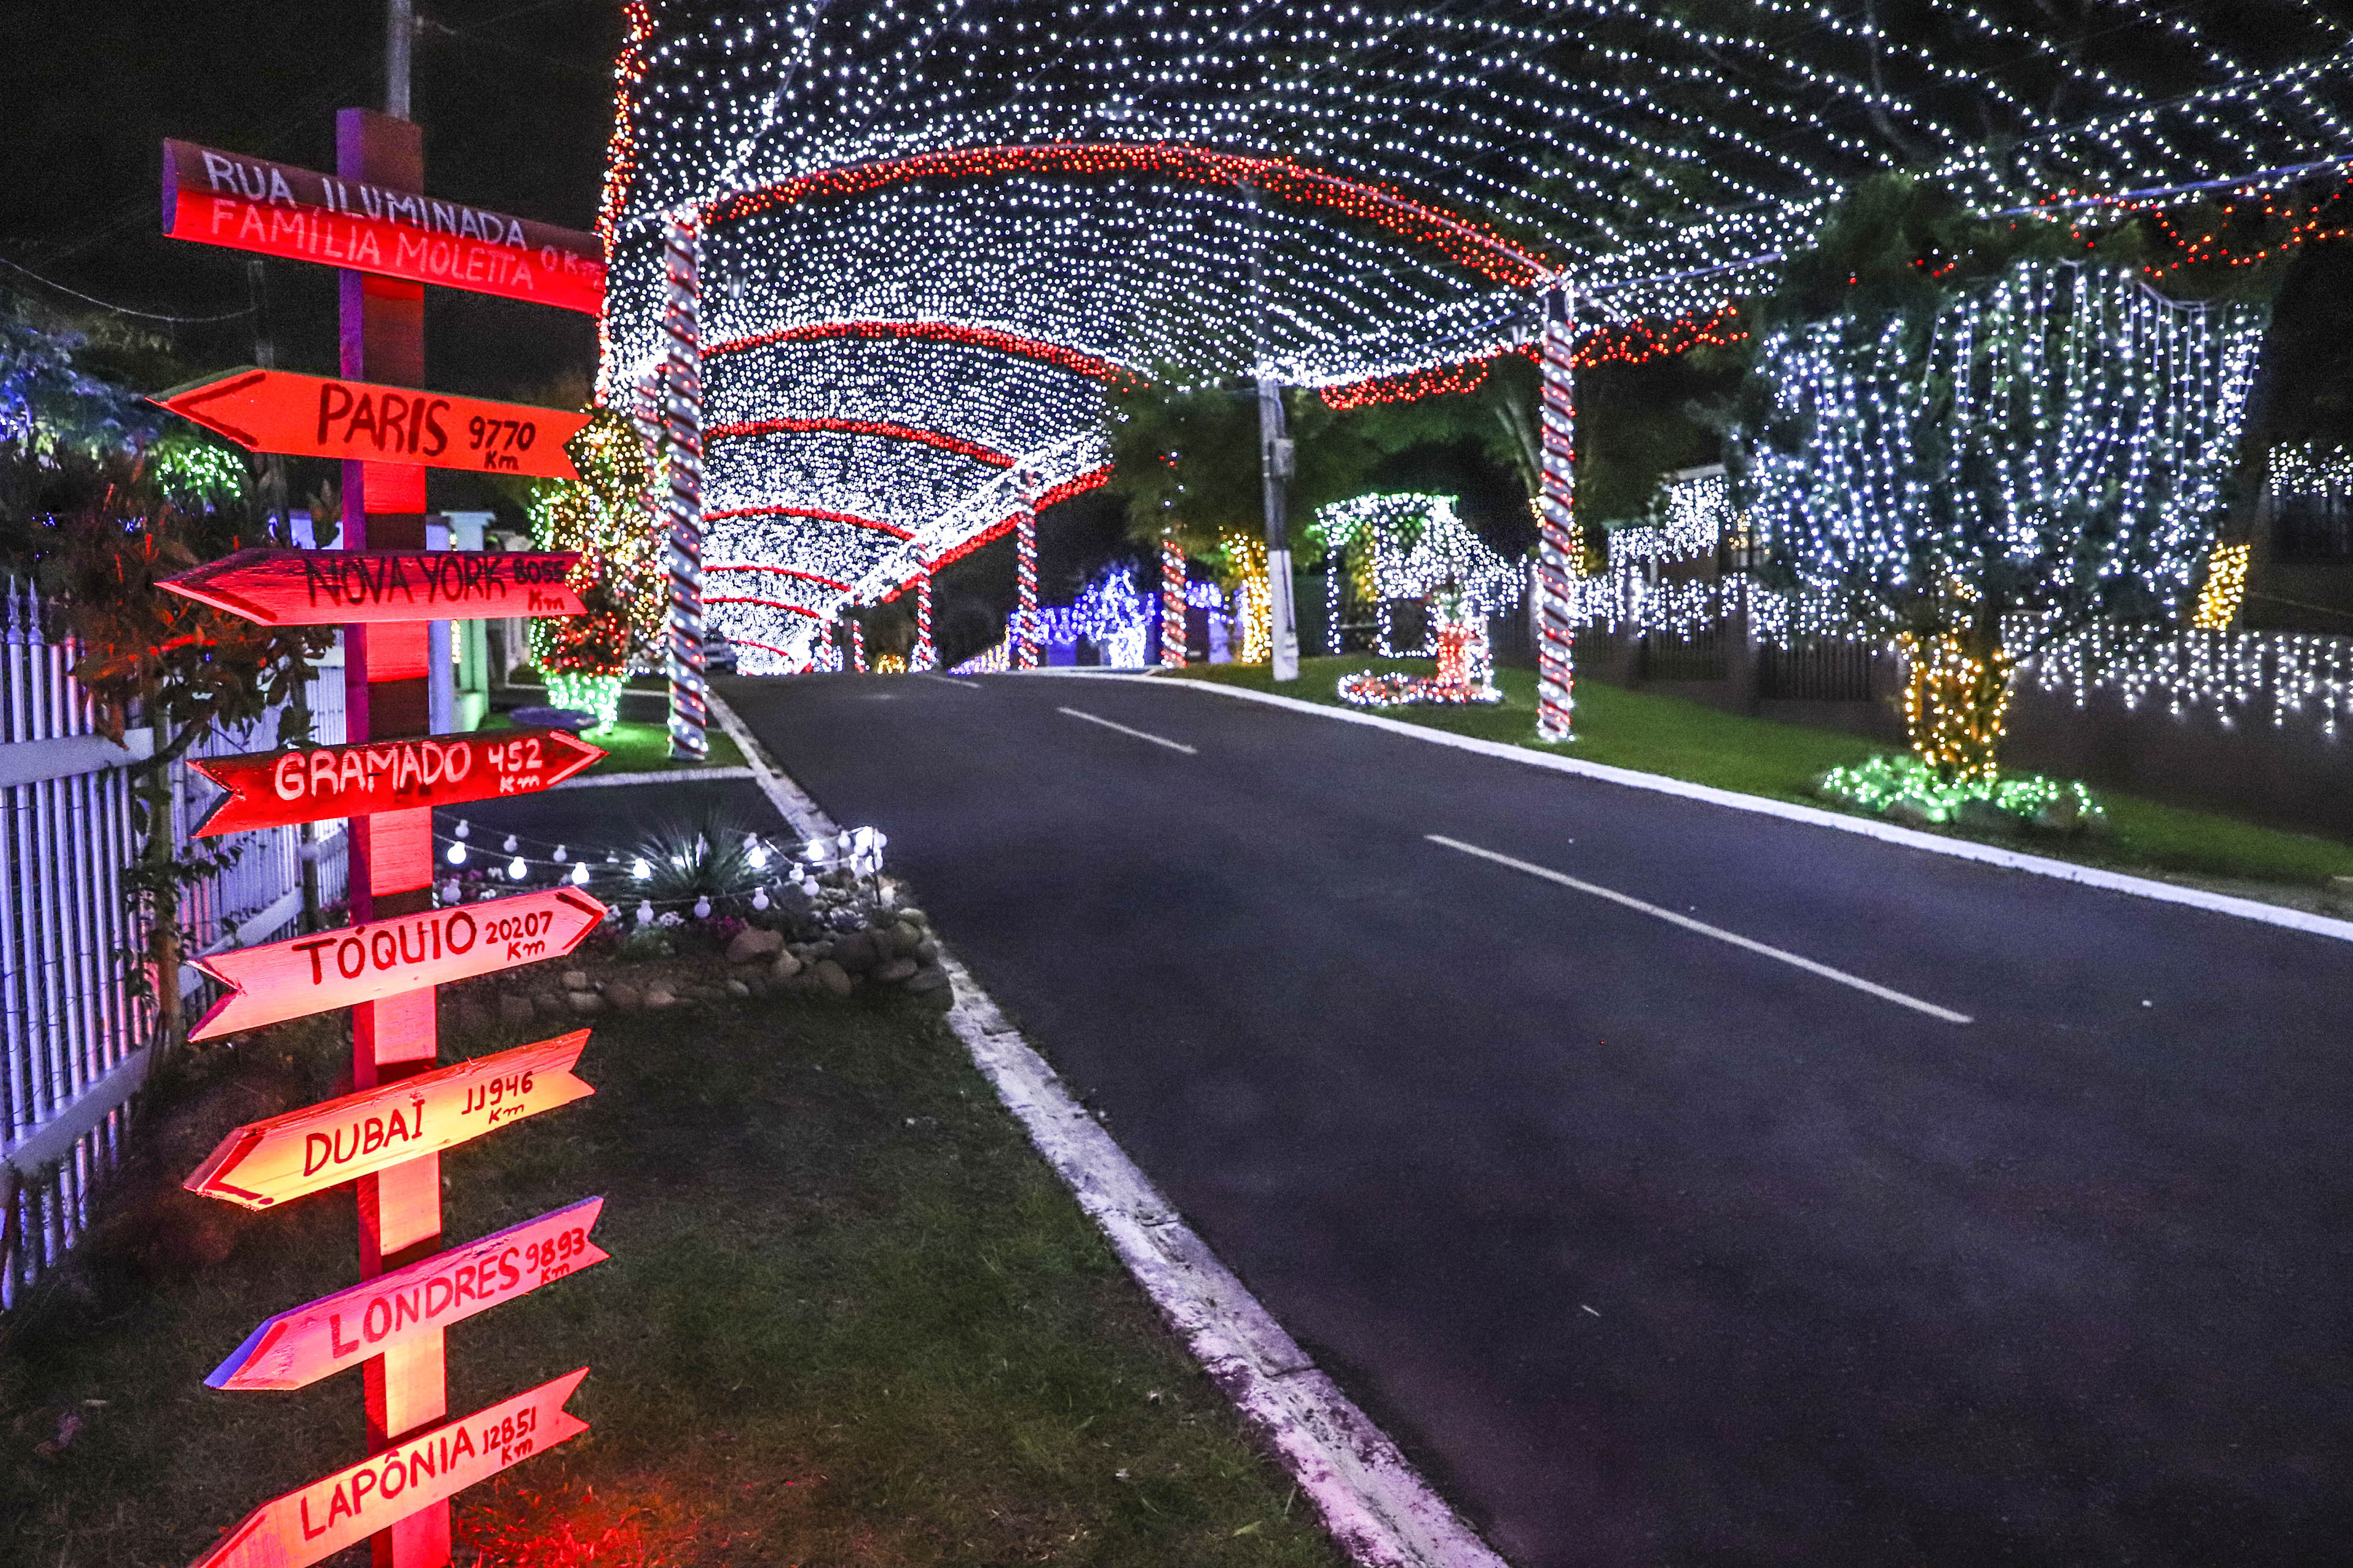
(73,1039)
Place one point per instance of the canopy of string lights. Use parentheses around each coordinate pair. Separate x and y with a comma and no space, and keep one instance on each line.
(935,233)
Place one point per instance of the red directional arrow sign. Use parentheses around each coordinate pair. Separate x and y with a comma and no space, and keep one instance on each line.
(310,975)
(272,789)
(296,1349)
(331,1513)
(313,416)
(310,1149)
(336,588)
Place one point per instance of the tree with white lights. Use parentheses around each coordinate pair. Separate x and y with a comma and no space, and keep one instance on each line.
(1980,468)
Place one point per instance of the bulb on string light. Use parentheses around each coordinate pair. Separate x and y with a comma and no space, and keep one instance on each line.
(760,898)
(640,870)
(703,908)
(465,829)
(580,875)
(645,912)
(457,855)
(559,855)
(510,845)
(516,870)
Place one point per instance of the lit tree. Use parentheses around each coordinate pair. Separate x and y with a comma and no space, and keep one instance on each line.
(1976,473)
(620,575)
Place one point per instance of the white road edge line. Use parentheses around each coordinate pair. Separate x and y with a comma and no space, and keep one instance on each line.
(1372,1499)
(949,680)
(1788,811)
(1734,938)
(1139,734)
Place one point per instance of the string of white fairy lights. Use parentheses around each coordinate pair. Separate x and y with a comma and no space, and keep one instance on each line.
(938,231)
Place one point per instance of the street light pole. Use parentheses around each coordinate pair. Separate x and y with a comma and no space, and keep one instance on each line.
(1275,459)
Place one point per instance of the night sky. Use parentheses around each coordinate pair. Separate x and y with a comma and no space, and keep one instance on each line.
(515,108)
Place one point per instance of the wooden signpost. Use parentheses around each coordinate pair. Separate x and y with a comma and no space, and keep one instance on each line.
(358,587)
(372,219)
(348,221)
(314,417)
(346,1508)
(314,784)
(296,1349)
(325,1145)
(307,975)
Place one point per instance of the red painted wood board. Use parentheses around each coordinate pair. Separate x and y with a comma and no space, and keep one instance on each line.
(320,1146)
(334,1511)
(307,975)
(347,587)
(248,203)
(272,789)
(333,1333)
(318,416)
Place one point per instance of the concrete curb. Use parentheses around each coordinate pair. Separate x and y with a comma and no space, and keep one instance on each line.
(665,776)
(1888,831)
(1371,1499)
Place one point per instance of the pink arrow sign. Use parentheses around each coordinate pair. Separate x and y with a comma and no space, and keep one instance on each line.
(337,1511)
(323,1145)
(308,975)
(296,1349)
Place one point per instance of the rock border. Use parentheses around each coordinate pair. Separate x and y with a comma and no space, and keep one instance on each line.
(1372,1499)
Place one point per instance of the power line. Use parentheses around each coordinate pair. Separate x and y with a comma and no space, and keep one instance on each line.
(121,310)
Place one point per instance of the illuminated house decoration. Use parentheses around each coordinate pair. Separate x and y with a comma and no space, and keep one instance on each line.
(1110,614)
(1387,548)
(934,236)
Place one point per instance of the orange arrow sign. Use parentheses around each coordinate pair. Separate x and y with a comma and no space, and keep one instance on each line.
(310,975)
(334,1511)
(316,416)
(310,1149)
(272,789)
(335,587)
(296,1349)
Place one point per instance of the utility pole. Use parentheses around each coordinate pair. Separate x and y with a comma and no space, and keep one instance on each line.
(399,39)
(1275,464)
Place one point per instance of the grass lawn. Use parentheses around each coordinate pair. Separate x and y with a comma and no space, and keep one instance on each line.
(637,748)
(850,1319)
(1689,740)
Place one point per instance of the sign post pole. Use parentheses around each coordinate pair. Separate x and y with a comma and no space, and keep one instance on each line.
(385,696)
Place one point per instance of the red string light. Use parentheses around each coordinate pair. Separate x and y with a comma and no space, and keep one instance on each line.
(1076,360)
(959,445)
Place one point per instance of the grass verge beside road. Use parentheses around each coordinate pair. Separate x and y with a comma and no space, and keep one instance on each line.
(849,1318)
(1688,740)
(636,748)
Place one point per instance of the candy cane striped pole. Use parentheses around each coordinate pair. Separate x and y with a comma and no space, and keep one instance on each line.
(856,644)
(1025,535)
(926,656)
(682,423)
(1172,605)
(1557,525)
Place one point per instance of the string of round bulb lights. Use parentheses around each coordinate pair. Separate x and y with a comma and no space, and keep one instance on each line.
(972,219)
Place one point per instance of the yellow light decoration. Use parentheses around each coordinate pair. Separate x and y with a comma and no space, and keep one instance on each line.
(2224,589)
(1956,705)
(1246,565)
(889,664)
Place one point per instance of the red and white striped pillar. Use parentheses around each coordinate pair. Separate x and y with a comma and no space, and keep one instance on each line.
(681,405)
(926,656)
(1557,565)
(386,696)
(1025,560)
(1172,605)
(856,644)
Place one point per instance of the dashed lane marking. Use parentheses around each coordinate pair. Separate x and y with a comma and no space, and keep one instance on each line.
(1734,938)
(1139,734)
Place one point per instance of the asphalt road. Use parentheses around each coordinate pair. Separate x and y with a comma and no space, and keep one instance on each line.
(1651,1247)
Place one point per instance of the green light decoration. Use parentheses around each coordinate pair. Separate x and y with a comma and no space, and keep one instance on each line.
(1907,786)
(192,469)
(584,659)
(582,693)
